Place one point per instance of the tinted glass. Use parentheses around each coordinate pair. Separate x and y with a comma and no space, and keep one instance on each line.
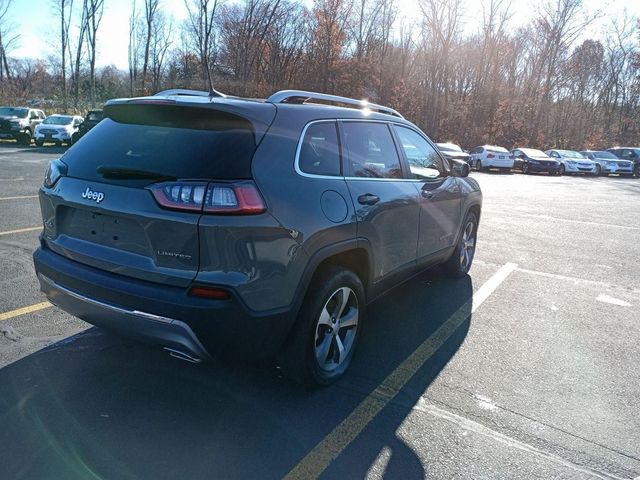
(421,156)
(372,152)
(180,142)
(319,154)
(604,155)
(94,116)
(13,112)
(58,120)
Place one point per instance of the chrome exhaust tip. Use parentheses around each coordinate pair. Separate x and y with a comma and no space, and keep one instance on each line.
(182,355)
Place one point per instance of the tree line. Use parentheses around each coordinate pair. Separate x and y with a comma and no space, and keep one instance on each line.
(504,80)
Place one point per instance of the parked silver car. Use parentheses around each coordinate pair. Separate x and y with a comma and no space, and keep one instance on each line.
(607,162)
(573,162)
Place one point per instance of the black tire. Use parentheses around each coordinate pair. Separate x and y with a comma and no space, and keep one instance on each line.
(25,138)
(456,266)
(525,168)
(39,143)
(598,171)
(562,170)
(299,355)
(74,138)
(479,167)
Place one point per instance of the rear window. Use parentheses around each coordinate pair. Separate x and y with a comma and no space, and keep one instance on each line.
(179,142)
(497,149)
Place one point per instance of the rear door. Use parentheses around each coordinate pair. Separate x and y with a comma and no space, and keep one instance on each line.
(439,193)
(387,204)
(132,197)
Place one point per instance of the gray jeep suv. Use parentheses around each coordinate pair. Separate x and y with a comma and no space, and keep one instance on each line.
(226,227)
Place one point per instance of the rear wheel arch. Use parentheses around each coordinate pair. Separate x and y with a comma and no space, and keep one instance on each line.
(354,255)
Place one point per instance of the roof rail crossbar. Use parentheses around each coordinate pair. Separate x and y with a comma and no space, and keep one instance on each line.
(301,96)
(193,93)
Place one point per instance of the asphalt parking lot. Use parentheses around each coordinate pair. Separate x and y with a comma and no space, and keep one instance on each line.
(528,368)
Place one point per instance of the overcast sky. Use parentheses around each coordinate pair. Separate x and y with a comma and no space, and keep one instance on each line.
(36,23)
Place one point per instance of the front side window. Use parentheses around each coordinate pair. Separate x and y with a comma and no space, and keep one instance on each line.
(319,153)
(371,150)
(423,159)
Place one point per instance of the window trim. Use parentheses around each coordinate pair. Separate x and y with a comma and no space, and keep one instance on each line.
(389,124)
(299,171)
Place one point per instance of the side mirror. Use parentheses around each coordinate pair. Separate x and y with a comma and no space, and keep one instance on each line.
(459,168)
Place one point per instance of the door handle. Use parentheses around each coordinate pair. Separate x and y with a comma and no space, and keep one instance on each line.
(427,194)
(368,199)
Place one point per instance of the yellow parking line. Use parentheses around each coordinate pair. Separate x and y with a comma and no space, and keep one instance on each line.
(318,459)
(20,230)
(24,310)
(19,197)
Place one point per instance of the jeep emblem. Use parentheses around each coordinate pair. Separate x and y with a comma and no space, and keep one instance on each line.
(91,195)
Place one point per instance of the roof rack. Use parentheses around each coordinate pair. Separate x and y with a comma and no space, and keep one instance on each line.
(301,96)
(193,93)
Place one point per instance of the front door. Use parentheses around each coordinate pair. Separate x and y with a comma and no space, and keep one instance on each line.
(440,195)
(386,204)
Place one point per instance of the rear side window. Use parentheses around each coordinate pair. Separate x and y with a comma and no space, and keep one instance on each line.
(371,150)
(175,142)
(319,152)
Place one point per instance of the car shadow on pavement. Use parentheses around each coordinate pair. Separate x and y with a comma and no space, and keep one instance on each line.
(98,406)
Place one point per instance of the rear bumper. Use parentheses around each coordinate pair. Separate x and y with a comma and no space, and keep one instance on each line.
(160,314)
(172,334)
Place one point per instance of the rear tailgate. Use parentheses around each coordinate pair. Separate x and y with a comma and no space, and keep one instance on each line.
(103,213)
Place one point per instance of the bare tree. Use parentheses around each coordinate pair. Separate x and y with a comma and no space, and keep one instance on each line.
(63,9)
(95,9)
(7,38)
(132,51)
(150,14)
(201,23)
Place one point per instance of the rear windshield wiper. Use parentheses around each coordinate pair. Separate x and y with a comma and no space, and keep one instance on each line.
(108,171)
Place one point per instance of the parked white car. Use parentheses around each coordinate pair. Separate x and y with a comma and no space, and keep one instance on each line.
(573,162)
(607,162)
(490,156)
(57,129)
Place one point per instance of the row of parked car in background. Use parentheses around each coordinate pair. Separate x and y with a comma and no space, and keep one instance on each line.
(30,124)
(617,160)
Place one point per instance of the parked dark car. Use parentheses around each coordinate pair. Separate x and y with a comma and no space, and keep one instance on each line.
(226,227)
(19,123)
(530,160)
(453,152)
(91,119)
(628,153)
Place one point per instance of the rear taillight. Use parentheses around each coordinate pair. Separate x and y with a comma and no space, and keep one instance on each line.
(240,198)
(229,198)
(490,155)
(56,169)
(180,195)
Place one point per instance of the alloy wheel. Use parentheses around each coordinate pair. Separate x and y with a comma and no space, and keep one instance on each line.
(468,245)
(336,329)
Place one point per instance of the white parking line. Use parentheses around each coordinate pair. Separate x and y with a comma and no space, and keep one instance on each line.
(321,456)
(480,429)
(21,197)
(20,230)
